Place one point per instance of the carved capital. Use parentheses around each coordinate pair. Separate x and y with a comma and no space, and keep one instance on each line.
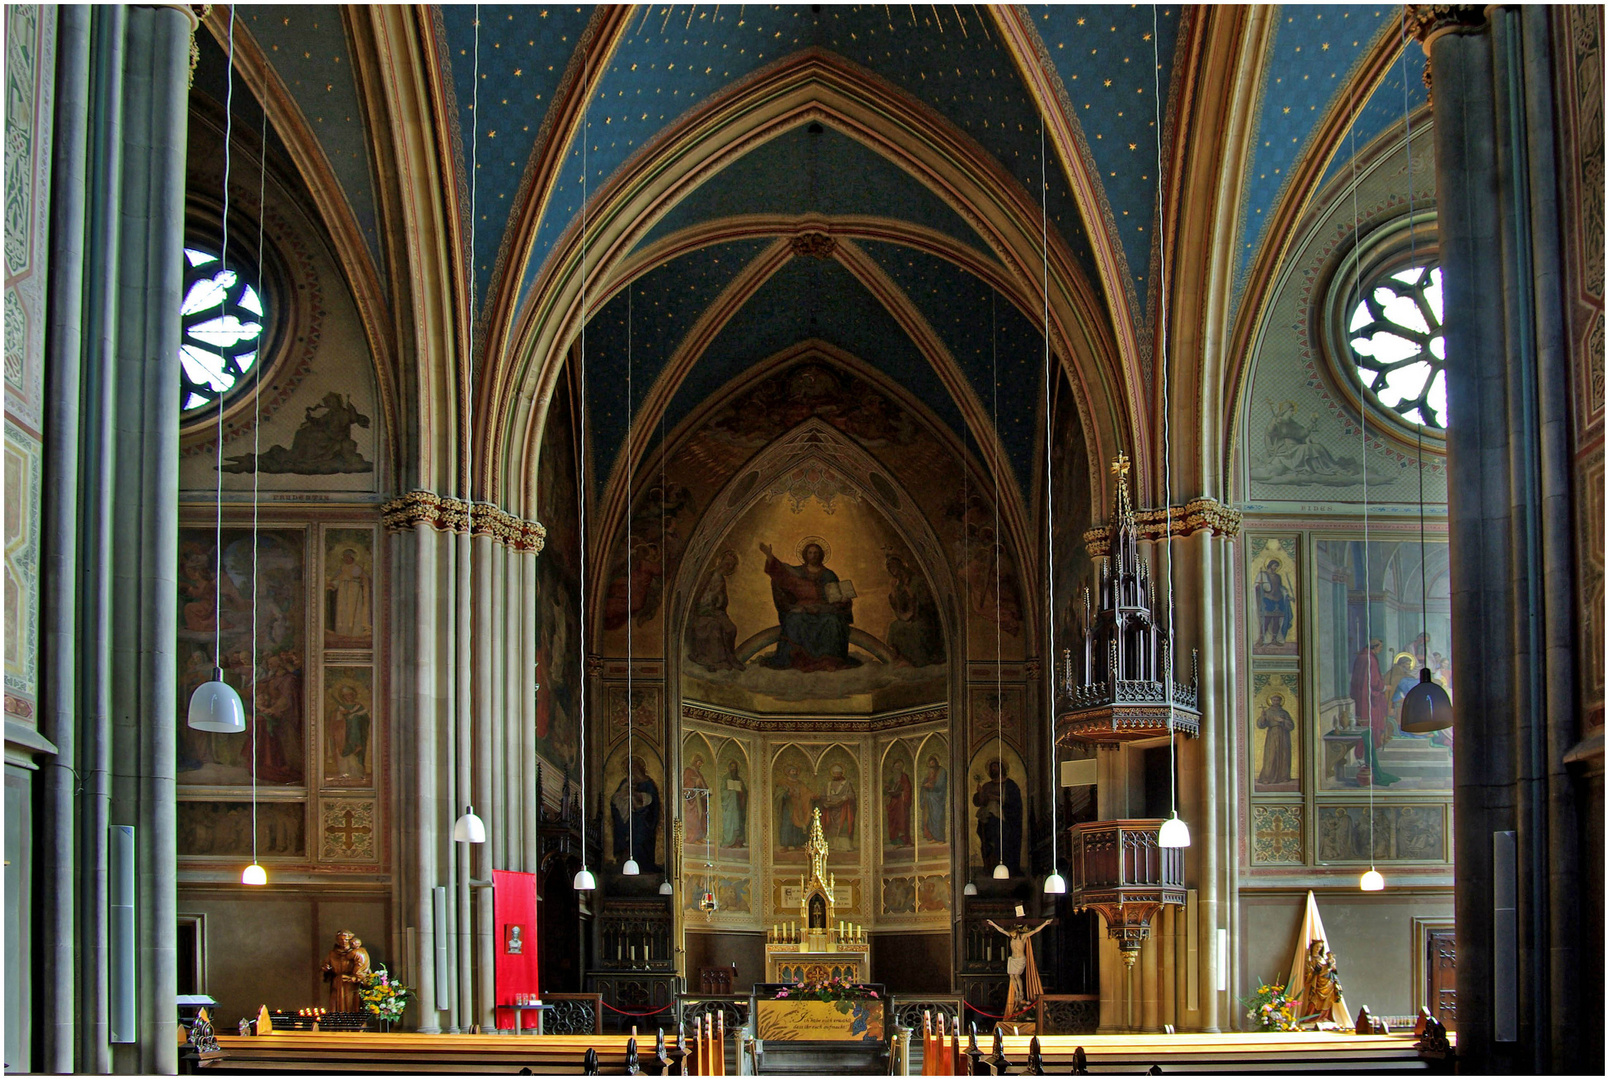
(447,514)
(1427,22)
(1194,516)
(814,245)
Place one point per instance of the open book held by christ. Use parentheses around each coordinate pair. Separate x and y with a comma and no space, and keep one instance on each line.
(836,592)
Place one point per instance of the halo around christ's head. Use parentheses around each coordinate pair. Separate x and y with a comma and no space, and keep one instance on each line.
(821,542)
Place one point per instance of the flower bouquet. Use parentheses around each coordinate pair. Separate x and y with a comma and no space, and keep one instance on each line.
(383,996)
(1271,1010)
(834,989)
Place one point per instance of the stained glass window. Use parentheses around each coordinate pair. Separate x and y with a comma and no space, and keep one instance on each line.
(1398,348)
(222,320)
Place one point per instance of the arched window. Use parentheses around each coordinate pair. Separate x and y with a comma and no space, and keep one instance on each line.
(1398,350)
(222,320)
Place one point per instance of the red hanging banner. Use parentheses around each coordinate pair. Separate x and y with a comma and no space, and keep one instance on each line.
(514,930)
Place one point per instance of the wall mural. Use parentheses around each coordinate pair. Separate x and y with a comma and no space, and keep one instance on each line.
(675,492)
(349,589)
(1369,659)
(634,807)
(916,799)
(277,713)
(1410,833)
(558,667)
(644,710)
(994,785)
(1275,736)
(813,605)
(348,727)
(1274,596)
(225,828)
(805,779)
(995,710)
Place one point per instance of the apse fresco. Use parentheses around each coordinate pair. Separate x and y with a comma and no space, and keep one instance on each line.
(558,662)
(995,786)
(814,603)
(276,705)
(225,828)
(634,808)
(643,712)
(805,779)
(674,491)
(1370,645)
(995,711)
(698,807)
(915,788)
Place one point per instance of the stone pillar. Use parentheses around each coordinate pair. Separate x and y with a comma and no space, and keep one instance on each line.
(149,285)
(59,543)
(1509,523)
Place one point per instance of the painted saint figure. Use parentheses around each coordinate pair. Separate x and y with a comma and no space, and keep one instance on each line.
(1274,609)
(935,800)
(695,801)
(999,815)
(350,716)
(635,810)
(794,801)
(734,809)
(711,633)
(837,802)
(1279,724)
(897,801)
(1371,702)
(349,588)
(914,633)
(344,968)
(815,629)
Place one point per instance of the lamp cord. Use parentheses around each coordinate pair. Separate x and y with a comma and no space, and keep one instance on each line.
(1363,462)
(223,272)
(631,780)
(999,698)
(256,471)
(1167,434)
(581,500)
(1413,261)
(1050,539)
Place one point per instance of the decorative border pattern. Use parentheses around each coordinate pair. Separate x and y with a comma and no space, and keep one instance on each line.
(1197,514)
(720,717)
(446,514)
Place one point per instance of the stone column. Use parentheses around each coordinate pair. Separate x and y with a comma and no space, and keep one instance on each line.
(149,284)
(1509,524)
(59,543)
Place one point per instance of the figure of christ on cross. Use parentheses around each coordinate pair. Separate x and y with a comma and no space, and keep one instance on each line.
(1025,987)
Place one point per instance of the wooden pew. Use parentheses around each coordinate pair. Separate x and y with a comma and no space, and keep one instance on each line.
(399,1052)
(1288,1052)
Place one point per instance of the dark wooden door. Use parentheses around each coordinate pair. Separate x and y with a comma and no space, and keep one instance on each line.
(1441,966)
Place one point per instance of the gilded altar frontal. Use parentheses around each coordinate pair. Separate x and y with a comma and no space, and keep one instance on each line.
(800,531)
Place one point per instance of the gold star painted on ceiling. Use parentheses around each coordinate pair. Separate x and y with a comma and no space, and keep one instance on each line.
(1287,108)
(1133,146)
(1080,22)
(1107,82)
(1325,46)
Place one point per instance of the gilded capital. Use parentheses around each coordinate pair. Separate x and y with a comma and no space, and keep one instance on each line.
(1427,22)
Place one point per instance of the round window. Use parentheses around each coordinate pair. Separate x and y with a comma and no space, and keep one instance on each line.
(1398,350)
(221,335)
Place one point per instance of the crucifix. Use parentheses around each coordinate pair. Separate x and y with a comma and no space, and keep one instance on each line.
(1025,987)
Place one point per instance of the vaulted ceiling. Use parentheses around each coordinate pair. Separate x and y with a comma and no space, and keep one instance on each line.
(917,283)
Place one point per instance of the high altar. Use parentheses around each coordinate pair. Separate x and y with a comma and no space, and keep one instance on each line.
(818,945)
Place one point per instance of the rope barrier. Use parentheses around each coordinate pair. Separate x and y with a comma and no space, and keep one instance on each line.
(651,1012)
(1019,1014)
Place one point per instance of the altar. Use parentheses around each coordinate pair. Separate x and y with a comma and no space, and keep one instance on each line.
(818,946)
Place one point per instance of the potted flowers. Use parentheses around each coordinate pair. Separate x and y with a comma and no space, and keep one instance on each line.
(1271,1010)
(384,997)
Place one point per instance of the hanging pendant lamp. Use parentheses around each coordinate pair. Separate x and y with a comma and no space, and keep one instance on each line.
(216,706)
(1055,884)
(584,881)
(630,868)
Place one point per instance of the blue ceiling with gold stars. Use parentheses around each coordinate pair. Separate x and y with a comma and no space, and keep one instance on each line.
(1311,61)
(307,45)
(1384,110)
(670,59)
(1112,61)
(523,54)
(823,171)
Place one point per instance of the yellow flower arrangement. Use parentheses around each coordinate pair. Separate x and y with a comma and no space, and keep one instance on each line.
(382,995)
